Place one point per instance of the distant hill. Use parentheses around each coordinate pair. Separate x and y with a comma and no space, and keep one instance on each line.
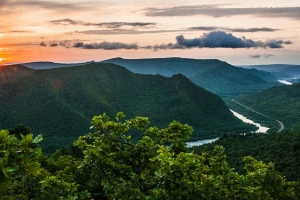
(214,75)
(60,103)
(281,103)
(280,71)
(50,65)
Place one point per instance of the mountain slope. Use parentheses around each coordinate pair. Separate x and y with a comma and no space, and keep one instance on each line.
(59,103)
(216,76)
(282,149)
(281,103)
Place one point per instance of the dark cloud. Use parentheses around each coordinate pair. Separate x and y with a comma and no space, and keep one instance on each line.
(21,44)
(67,22)
(16,31)
(20,32)
(95,45)
(53,44)
(124,32)
(241,30)
(105,45)
(202,28)
(268,55)
(217,11)
(255,56)
(215,39)
(205,28)
(52,5)
(252,30)
(259,55)
(277,43)
(287,42)
(43,44)
(104,24)
(219,39)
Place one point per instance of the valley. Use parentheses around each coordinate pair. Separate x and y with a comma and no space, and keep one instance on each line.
(149,100)
(204,104)
(60,102)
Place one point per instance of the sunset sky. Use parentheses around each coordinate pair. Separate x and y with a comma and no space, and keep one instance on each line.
(236,31)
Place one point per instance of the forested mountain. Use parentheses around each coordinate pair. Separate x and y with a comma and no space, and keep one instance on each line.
(283,149)
(281,103)
(60,103)
(282,71)
(214,75)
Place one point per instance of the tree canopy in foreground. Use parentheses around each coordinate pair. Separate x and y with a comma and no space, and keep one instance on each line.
(106,164)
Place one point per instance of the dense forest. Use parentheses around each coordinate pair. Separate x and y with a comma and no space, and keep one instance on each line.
(280,103)
(64,156)
(282,149)
(58,103)
(107,164)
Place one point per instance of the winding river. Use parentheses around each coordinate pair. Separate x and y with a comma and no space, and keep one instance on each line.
(261,129)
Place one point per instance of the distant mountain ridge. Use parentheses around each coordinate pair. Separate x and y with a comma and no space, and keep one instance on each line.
(59,103)
(214,75)
(280,71)
(50,65)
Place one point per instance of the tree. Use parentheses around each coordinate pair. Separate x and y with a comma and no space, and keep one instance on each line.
(23,177)
(159,167)
(114,167)
(19,163)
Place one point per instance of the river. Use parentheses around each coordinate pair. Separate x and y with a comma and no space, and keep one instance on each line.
(261,129)
(285,82)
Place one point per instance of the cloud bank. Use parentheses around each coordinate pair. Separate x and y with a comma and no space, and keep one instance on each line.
(50,5)
(239,30)
(217,11)
(259,55)
(104,24)
(255,56)
(220,39)
(105,45)
(215,39)
(94,45)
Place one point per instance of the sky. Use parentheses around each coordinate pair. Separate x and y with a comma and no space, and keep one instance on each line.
(239,32)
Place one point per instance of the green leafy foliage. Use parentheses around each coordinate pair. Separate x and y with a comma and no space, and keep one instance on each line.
(18,156)
(113,166)
(24,174)
(159,167)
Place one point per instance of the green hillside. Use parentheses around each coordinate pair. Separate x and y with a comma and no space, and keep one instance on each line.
(280,103)
(59,103)
(214,75)
(283,149)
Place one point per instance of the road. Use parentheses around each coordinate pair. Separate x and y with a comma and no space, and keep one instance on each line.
(281,125)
